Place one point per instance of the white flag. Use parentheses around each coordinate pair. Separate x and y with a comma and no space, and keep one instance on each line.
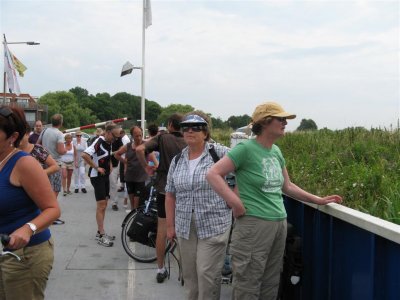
(11,75)
(147,14)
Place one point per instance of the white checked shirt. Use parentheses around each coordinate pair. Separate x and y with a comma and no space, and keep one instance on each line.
(212,215)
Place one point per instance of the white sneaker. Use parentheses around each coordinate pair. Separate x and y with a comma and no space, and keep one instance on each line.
(104,241)
(99,236)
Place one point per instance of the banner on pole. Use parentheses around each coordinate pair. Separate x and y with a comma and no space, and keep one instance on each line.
(11,75)
(19,66)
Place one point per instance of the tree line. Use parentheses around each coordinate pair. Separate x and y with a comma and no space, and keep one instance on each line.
(81,108)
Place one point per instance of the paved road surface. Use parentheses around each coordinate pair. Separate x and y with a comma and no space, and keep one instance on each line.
(85,270)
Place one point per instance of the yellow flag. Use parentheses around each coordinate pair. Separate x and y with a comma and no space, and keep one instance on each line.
(19,66)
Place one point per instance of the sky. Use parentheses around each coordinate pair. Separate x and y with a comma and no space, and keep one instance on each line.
(335,62)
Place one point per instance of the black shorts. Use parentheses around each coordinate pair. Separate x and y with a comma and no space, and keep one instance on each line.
(161,206)
(135,188)
(101,185)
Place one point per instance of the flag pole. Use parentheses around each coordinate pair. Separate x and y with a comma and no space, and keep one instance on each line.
(142,104)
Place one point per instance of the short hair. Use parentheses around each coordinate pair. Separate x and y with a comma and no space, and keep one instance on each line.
(38,121)
(152,129)
(67,136)
(111,126)
(257,127)
(133,128)
(15,122)
(57,120)
(175,121)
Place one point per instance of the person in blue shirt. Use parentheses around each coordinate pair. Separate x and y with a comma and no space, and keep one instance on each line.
(28,206)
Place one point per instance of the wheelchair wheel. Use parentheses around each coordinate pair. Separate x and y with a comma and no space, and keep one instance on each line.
(136,250)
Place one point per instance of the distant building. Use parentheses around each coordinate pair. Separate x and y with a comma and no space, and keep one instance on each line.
(33,110)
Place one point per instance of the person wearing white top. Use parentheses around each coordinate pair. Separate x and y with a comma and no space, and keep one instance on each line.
(67,164)
(79,170)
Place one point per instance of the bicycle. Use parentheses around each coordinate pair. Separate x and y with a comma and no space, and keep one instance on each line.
(5,239)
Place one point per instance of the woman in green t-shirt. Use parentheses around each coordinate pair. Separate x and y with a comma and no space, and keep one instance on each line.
(259,234)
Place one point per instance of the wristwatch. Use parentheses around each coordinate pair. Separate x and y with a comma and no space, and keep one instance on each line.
(33,227)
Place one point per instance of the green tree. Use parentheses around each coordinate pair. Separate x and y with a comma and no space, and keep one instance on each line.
(218,123)
(307,124)
(67,104)
(235,122)
(171,109)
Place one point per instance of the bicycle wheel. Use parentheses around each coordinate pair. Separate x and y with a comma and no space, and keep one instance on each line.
(136,250)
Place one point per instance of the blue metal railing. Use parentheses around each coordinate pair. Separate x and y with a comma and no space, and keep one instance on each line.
(347,255)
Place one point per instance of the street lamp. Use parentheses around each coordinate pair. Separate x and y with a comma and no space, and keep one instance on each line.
(30,43)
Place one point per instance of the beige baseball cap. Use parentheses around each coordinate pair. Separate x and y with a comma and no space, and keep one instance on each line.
(270,109)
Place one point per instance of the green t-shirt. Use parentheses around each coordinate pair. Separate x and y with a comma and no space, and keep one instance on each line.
(259,179)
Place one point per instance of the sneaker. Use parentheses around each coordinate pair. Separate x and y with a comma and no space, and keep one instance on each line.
(76,191)
(65,194)
(114,206)
(69,193)
(161,276)
(84,191)
(99,236)
(104,241)
(58,222)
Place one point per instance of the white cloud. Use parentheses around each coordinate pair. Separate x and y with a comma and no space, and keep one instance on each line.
(322,60)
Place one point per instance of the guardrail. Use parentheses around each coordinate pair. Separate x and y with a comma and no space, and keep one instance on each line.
(347,254)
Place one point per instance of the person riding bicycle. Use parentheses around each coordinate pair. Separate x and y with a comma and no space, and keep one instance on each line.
(28,206)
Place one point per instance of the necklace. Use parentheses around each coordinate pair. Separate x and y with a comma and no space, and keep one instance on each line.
(5,159)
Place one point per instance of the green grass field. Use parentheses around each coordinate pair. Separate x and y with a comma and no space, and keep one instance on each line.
(361,165)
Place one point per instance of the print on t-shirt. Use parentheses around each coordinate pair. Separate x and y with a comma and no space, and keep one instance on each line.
(273,175)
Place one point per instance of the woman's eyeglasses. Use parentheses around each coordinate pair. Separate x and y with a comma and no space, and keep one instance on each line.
(195,128)
(280,119)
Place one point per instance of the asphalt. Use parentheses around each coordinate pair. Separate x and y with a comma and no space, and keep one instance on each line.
(85,270)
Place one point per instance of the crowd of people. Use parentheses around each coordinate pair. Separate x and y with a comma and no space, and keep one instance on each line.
(195,205)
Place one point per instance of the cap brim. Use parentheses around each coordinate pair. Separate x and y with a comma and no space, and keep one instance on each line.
(284,115)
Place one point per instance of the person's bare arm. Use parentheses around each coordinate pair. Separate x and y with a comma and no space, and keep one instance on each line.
(292,190)
(29,175)
(52,166)
(88,159)
(61,148)
(215,177)
(170,215)
(120,152)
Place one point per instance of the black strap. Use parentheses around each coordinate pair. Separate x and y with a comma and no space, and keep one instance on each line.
(212,151)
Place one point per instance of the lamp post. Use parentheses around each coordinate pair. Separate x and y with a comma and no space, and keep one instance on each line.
(5,43)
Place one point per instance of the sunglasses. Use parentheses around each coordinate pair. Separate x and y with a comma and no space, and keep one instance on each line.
(5,112)
(78,135)
(195,128)
(280,119)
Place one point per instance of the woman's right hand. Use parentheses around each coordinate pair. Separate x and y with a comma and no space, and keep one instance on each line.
(171,234)
(238,210)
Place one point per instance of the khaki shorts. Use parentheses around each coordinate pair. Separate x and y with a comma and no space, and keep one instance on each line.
(26,279)
(67,165)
